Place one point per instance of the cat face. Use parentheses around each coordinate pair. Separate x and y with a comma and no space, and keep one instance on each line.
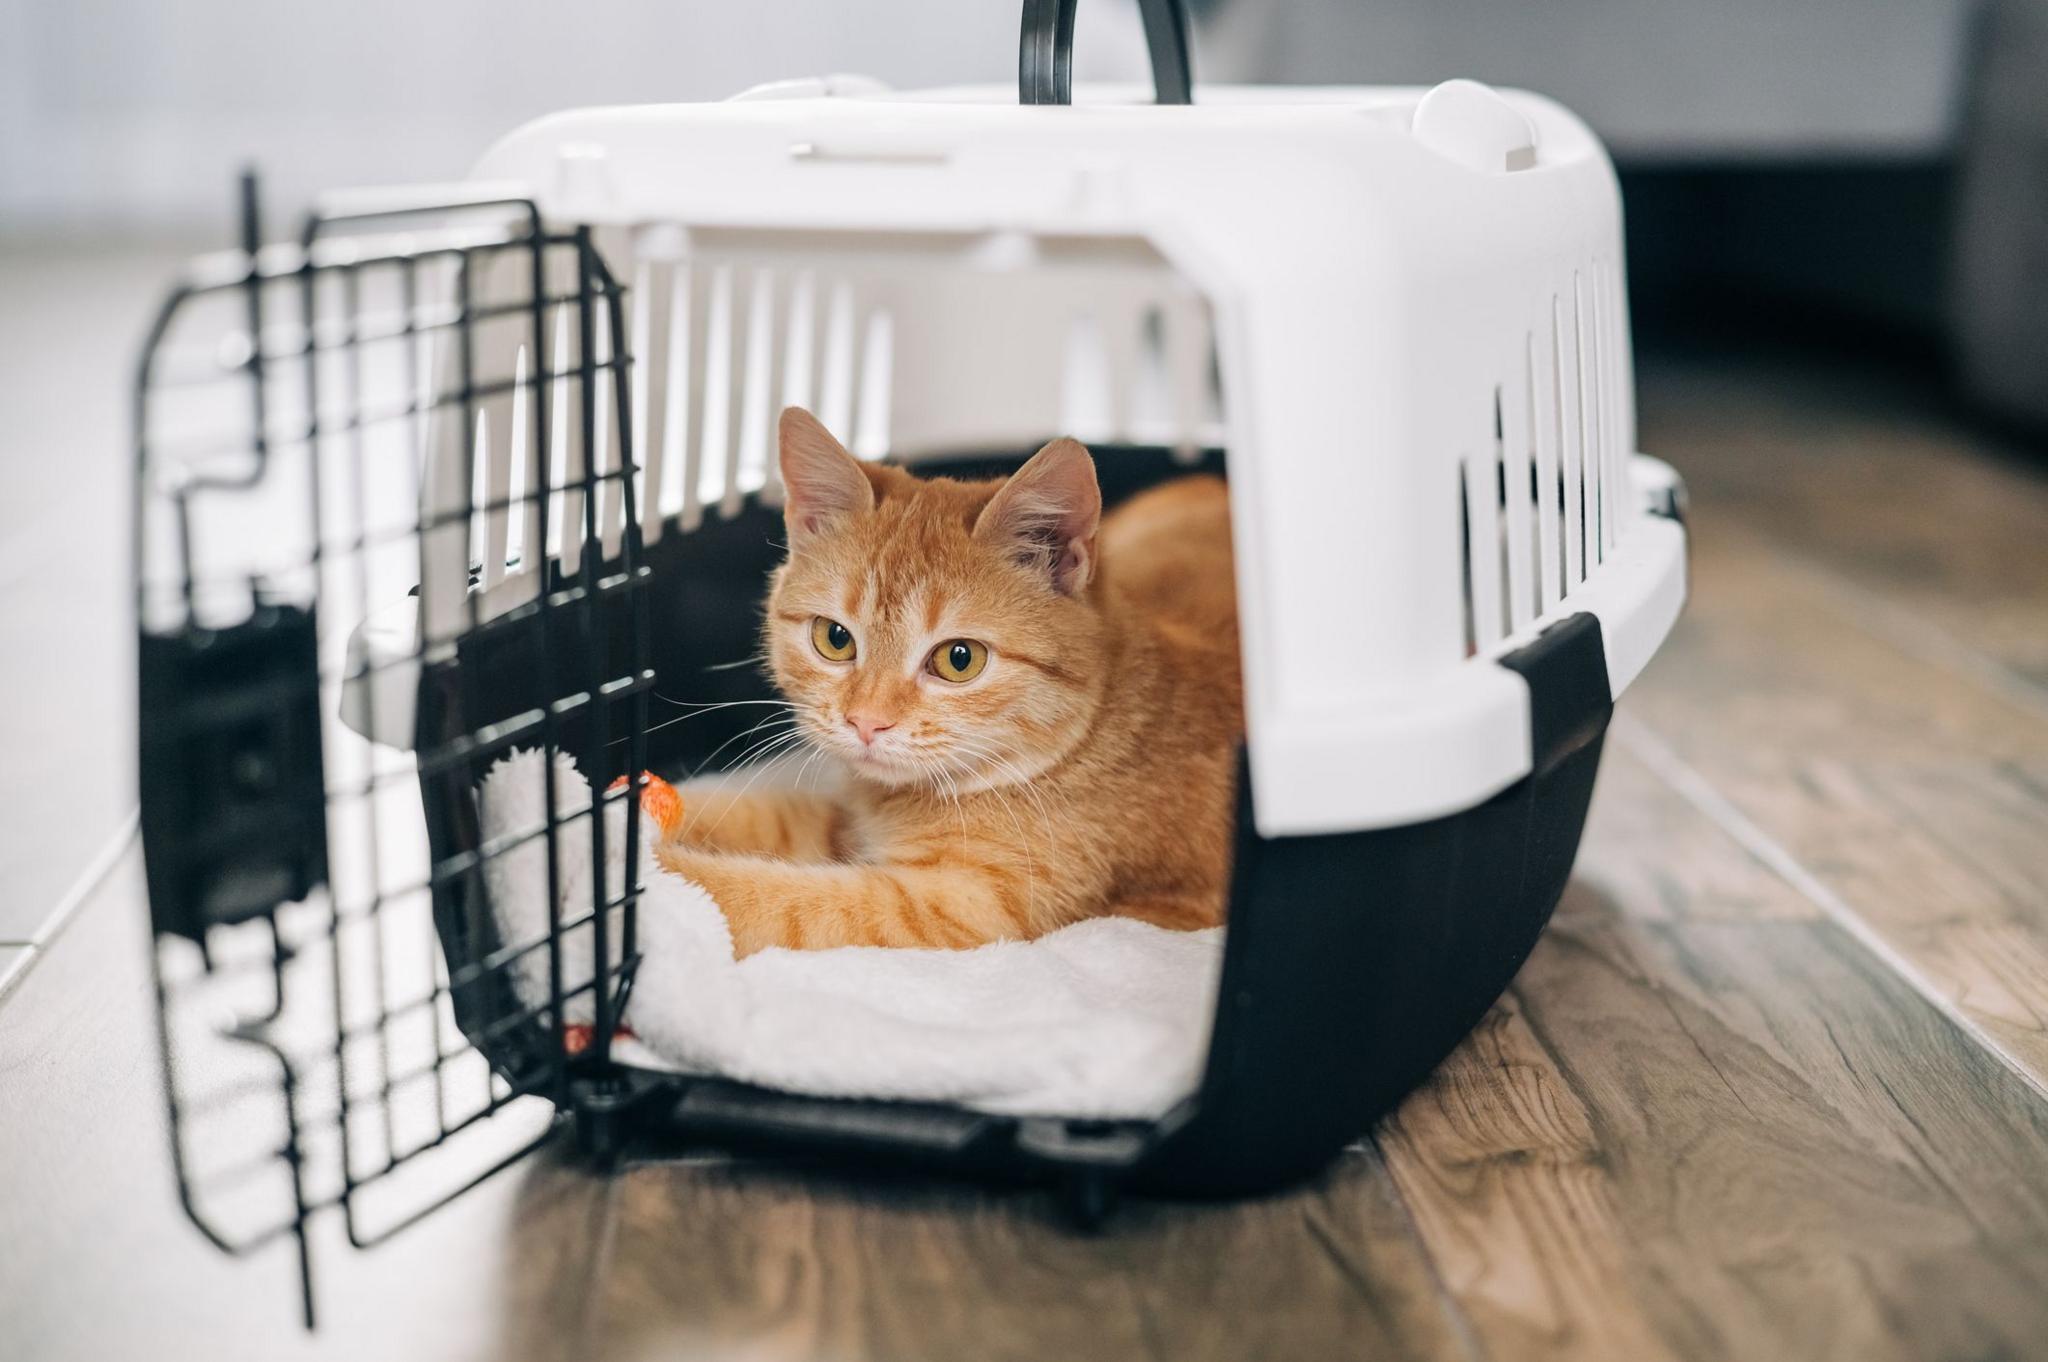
(934,632)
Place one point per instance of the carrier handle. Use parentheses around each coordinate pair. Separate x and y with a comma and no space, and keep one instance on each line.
(1045,58)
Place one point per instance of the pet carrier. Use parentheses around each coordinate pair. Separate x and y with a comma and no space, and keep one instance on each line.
(463,471)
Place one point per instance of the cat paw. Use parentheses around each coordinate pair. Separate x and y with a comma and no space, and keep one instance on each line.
(658,799)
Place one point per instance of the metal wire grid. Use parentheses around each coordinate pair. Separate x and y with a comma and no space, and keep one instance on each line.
(358,1054)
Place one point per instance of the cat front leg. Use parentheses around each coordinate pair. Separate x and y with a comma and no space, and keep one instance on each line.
(711,817)
(777,823)
(770,902)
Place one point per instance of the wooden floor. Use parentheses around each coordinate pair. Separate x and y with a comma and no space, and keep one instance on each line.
(1773,1086)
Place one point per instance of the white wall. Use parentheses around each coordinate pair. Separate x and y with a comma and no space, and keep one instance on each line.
(134,113)
(1661,80)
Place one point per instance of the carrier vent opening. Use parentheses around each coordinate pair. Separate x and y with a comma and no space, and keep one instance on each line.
(1497,587)
(722,347)
(1510,618)
(1119,350)
(1543,501)
(723,344)
(1584,455)
(1465,573)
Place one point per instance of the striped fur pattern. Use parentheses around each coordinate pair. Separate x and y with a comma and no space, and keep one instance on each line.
(1085,767)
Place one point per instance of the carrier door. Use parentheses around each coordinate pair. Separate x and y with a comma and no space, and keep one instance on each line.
(386,533)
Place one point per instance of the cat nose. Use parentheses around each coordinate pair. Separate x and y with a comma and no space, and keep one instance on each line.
(867,725)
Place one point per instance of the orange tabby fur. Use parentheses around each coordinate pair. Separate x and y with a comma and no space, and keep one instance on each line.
(1088,769)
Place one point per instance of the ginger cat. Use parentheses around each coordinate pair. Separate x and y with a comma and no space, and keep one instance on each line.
(1038,709)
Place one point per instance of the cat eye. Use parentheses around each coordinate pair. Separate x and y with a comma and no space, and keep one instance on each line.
(833,640)
(959,660)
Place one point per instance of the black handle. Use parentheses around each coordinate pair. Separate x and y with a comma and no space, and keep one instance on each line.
(1045,60)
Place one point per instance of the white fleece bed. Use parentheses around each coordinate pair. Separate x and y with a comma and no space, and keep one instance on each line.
(1105,1019)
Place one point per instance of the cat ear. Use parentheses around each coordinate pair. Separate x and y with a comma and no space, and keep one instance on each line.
(822,483)
(1047,513)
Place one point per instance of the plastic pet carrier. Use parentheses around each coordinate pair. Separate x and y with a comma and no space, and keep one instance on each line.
(464,470)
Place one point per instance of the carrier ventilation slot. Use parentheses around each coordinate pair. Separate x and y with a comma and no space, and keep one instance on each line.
(721,348)
(1579,417)
(1141,370)
(719,344)
(488,450)
(1543,493)
(1465,547)
(1495,486)
(1518,608)
(1610,292)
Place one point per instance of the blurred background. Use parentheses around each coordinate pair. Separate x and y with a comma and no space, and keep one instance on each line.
(1833,189)
(1842,160)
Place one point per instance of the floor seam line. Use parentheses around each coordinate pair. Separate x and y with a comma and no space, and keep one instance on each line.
(1642,742)
(97,870)
(10,979)
(89,880)
(1453,1310)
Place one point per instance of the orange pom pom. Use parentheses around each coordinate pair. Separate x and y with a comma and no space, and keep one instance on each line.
(658,798)
(577,1037)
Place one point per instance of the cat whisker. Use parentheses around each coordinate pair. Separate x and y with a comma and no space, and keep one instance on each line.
(804,771)
(695,714)
(1001,795)
(1018,781)
(938,770)
(764,759)
(758,750)
(703,707)
(744,734)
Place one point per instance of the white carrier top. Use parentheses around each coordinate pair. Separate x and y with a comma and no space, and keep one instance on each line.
(1401,314)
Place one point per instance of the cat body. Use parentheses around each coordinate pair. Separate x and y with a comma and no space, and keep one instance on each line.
(1037,710)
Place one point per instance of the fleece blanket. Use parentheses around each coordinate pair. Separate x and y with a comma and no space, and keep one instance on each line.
(1105,1019)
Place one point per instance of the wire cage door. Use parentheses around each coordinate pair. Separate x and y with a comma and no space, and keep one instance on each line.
(372,465)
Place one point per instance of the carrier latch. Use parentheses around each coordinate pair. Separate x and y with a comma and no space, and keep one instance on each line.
(1475,126)
(233,789)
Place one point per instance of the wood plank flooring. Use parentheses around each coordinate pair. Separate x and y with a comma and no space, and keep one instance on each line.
(1771,1086)
(1900,758)
(829,1267)
(1727,1138)
(1855,474)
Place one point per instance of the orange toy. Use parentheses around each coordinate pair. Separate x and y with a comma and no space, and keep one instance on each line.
(577,1036)
(659,799)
